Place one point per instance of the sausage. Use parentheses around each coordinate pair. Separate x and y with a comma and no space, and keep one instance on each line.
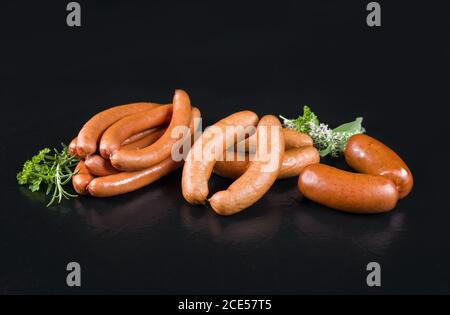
(138,136)
(124,182)
(347,191)
(368,155)
(92,130)
(261,173)
(145,141)
(293,162)
(296,139)
(292,139)
(73,147)
(130,160)
(81,179)
(126,127)
(201,158)
(99,166)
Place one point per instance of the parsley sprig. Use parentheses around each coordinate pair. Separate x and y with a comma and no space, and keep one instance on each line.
(53,169)
(326,140)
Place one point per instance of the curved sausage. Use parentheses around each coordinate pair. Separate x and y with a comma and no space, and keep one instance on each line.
(145,141)
(130,160)
(368,155)
(81,179)
(124,182)
(92,130)
(295,139)
(346,191)
(99,166)
(260,175)
(126,127)
(293,162)
(201,158)
(292,139)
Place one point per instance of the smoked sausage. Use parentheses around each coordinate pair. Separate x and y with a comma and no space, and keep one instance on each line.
(81,179)
(368,155)
(201,158)
(347,191)
(261,173)
(92,130)
(130,160)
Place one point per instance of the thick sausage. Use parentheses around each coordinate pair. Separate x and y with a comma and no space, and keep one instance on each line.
(260,175)
(293,162)
(128,126)
(346,191)
(124,182)
(201,158)
(130,160)
(92,130)
(81,179)
(368,155)
(99,166)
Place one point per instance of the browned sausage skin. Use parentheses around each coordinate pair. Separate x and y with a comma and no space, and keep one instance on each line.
(128,126)
(197,171)
(293,162)
(90,134)
(81,179)
(261,173)
(346,191)
(368,155)
(124,182)
(99,166)
(130,160)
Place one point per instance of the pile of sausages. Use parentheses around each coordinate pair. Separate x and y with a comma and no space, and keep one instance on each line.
(288,152)
(129,146)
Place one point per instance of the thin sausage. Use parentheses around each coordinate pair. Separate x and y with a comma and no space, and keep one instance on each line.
(145,141)
(73,147)
(99,166)
(130,160)
(368,155)
(92,130)
(128,126)
(201,158)
(293,162)
(124,182)
(81,179)
(347,191)
(260,175)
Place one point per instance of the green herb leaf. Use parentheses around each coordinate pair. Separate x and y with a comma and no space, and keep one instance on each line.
(51,169)
(327,141)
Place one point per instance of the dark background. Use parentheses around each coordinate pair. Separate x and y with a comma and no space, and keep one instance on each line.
(266,56)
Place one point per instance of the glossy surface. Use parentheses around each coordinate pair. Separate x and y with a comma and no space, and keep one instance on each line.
(367,155)
(270,57)
(347,191)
